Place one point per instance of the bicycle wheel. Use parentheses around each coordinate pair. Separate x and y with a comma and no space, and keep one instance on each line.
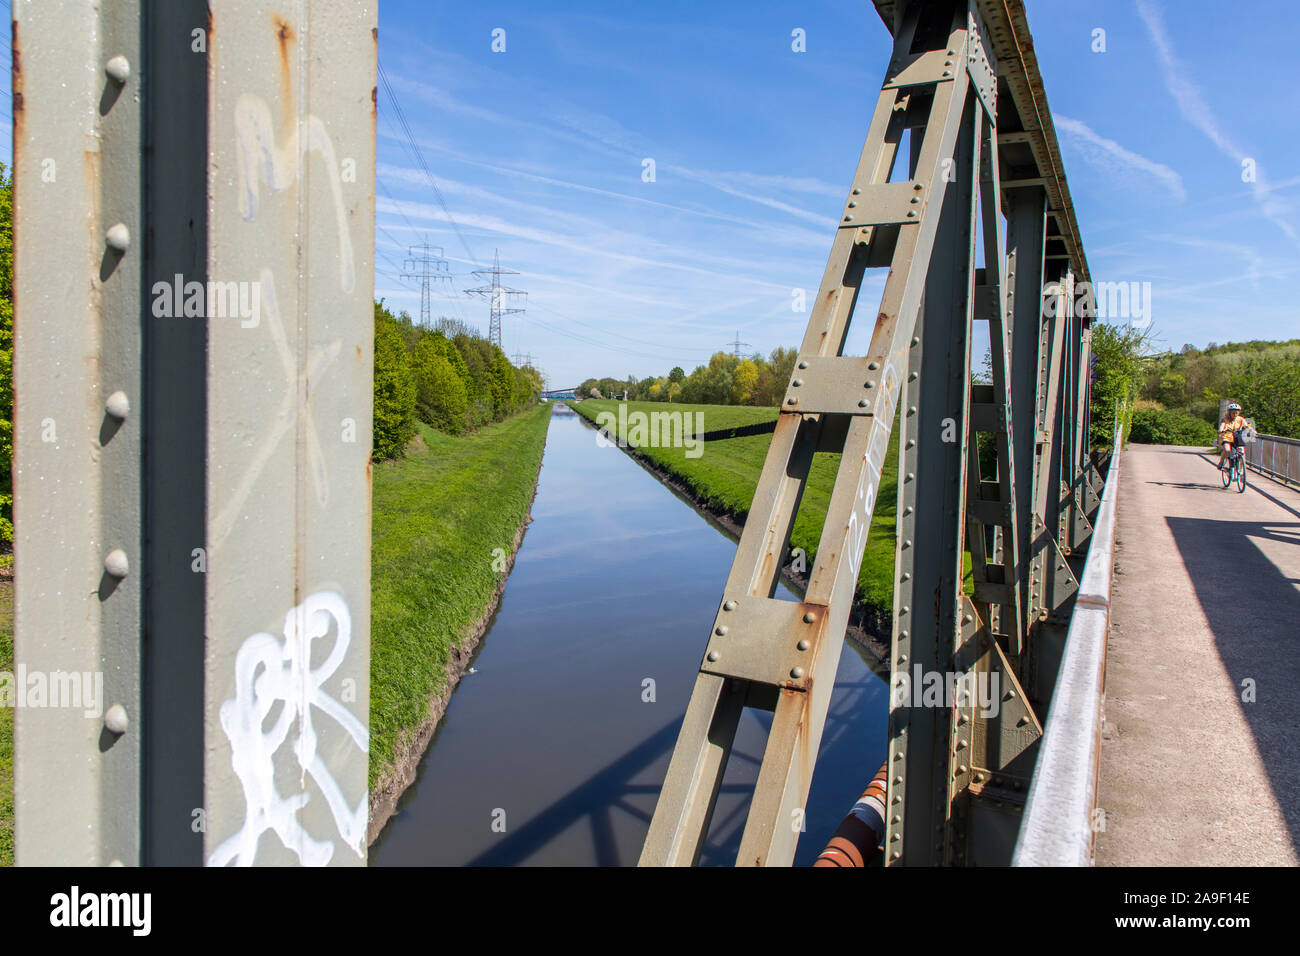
(1226,473)
(1241,475)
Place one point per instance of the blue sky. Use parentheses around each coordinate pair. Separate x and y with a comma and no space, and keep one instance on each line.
(538,151)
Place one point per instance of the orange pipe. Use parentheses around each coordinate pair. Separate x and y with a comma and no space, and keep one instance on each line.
(857,839)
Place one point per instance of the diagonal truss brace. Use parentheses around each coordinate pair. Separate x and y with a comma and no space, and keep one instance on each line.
(834,402)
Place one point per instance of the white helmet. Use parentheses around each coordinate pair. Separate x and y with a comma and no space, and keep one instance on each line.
(1234,407)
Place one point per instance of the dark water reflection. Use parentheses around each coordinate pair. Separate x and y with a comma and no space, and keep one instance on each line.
(617,581)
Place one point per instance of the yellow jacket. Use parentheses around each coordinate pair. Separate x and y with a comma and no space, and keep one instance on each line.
(1231,427)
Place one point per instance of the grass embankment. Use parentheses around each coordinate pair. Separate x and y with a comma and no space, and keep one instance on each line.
(6,726)
(725,475)
(439,514)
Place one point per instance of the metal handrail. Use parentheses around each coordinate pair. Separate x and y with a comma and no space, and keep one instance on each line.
(1057,824)
(1276,457)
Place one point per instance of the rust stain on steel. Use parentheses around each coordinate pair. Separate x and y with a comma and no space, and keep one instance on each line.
(16,80)
(284,37)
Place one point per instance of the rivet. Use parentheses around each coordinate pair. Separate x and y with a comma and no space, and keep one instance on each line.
(729,606)
(792,401)
(118,405)
(809,617)
(910,476)
(916,186)
(911,443)
(798,382)
(962,719)
(907,543)
(802,645)
(911,214)
(796,672)
(873,365)
(896,854)
(721,631)
(118,68)
(906,576)
(902,658)
(904,609)
(912,377)
(863,403)
(868,384)
(853,205)
(848,218)
(803,364)
(118,237)
(962,768)
(916,199)
(115,719)
(907,510)
(713,655)
(857,192)
(965,618)
(902,636)
(116,564)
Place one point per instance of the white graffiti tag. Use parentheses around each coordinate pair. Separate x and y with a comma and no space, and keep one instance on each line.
(268,671)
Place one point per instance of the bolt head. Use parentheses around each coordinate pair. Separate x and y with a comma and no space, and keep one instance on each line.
(803,645)
(713,655)
(118,405)
(721,631)
(729,606)
(115,719)
(118,69)
(809,617)
(796,672)
(116,564)
(118,237)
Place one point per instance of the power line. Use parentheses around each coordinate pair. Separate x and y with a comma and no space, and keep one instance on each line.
(418,155)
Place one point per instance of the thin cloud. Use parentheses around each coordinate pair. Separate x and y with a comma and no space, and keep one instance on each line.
(1178,80)
(1106,152)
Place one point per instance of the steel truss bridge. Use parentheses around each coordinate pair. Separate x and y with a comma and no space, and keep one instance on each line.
(192,478)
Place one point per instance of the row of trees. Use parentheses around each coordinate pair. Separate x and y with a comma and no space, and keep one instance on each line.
(1263,377)
(1173,398)
(726,380)
(447,377)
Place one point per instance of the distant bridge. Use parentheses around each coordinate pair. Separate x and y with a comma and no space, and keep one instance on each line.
(570,392)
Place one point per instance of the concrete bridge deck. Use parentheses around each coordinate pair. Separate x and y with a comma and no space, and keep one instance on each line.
(1205,616)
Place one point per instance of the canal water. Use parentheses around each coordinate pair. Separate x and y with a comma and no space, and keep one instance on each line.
(549,754)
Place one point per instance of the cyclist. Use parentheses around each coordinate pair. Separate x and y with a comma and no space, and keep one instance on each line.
(1232,423)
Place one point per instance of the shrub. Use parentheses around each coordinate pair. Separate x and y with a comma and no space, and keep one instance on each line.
(394,411)
(1169,426)
(440,395)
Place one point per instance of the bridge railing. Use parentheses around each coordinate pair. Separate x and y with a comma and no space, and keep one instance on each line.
(1276,457)
(1059,820)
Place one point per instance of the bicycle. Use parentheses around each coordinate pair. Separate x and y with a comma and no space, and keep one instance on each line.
(1234,468)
